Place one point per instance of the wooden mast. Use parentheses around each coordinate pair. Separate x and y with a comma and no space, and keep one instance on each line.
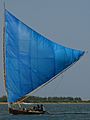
(4,48)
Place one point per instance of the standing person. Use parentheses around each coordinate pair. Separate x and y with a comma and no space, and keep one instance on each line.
(38,107)
(42,108)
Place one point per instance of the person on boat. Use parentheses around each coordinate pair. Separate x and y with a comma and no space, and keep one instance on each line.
(42,108)
(38,107)
(24,109)
(34,108)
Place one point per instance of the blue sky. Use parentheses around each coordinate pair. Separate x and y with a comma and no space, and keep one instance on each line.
(66,22)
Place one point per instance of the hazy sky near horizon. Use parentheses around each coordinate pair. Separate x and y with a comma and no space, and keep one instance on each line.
(66,22)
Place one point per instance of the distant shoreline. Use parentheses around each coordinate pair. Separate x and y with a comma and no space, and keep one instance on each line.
(49,100)
(6,103)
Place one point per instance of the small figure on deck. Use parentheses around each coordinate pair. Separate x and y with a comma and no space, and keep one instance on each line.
(42,108)
(24,109)
(38,107)
(34,108)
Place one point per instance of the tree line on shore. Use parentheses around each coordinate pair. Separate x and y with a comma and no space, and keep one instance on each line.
(34,99)
(55,99)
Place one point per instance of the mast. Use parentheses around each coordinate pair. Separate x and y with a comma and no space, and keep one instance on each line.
(4,49)
(3,41)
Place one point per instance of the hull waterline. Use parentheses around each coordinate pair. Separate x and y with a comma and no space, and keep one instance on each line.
(24,112)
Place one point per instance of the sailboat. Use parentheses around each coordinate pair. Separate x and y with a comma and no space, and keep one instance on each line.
(31,61)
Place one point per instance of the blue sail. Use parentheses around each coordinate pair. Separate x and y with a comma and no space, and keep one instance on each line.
(31,59)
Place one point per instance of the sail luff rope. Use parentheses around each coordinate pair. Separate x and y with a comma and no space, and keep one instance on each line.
(3,41)
(4,48)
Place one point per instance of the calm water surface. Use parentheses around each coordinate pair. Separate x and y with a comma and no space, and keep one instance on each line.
(55,112)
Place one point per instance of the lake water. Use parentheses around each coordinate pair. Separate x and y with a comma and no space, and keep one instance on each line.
(55,112)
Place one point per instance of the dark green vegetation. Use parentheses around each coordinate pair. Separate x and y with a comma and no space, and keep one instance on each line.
(3,99)
(34,99)
(55,100)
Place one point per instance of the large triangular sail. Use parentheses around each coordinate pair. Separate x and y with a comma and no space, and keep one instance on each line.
(31,59)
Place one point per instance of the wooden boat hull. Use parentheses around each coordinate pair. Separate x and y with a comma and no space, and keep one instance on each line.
(25,112)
